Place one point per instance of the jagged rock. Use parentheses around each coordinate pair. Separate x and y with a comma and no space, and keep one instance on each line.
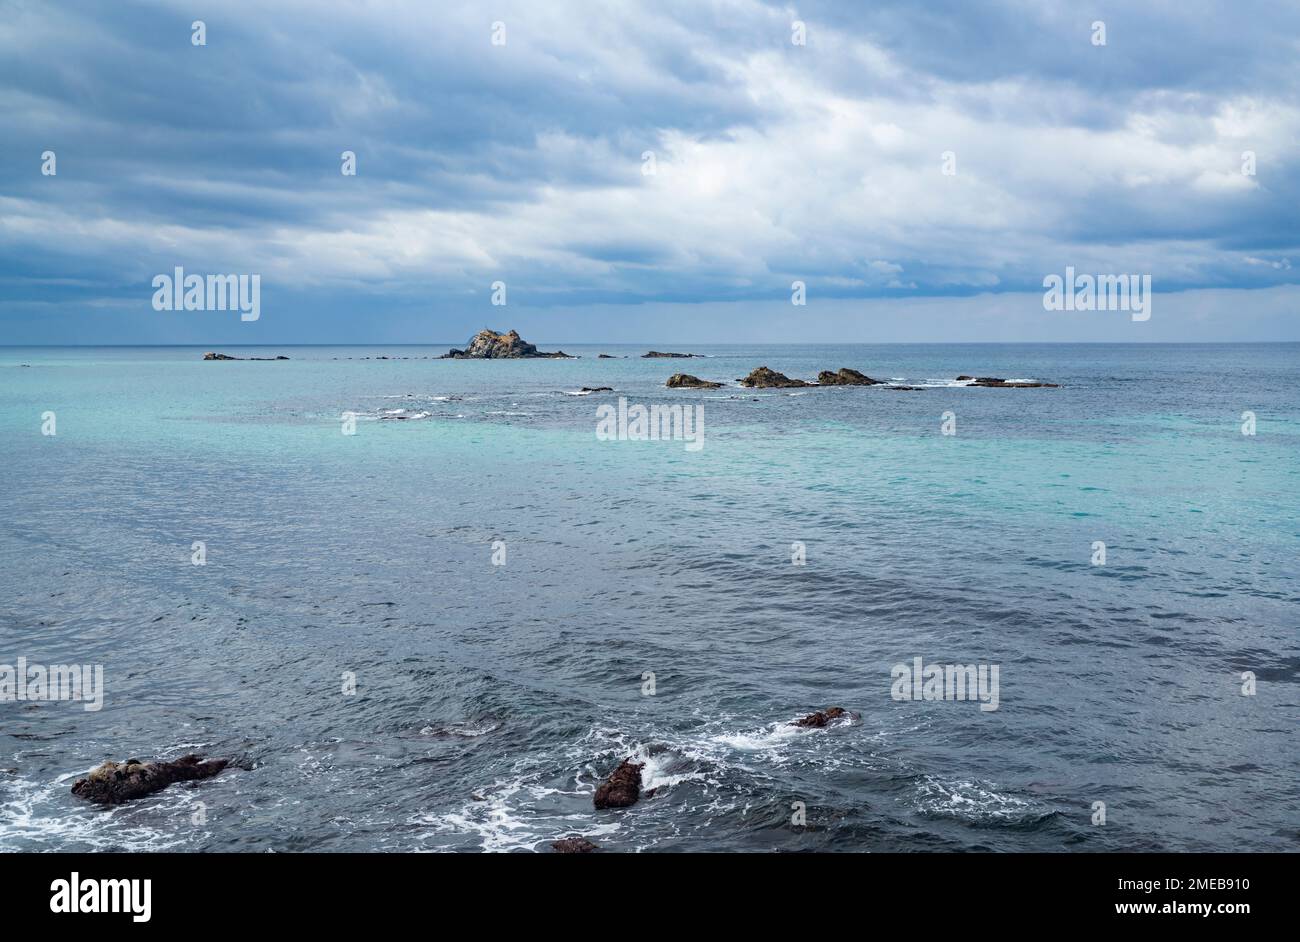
(574,845)
(763,378)
(113,783)
(687,381)
(487,344)
(592,389)
(622,788)
(845,377)
(653,354)
(820,718)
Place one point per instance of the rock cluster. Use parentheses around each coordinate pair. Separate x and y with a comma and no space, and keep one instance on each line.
(764,378)
(226,356)
(487,344)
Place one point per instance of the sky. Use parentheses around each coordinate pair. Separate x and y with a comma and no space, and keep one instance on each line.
(649,171)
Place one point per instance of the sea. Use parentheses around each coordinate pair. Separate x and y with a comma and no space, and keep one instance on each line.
(423,605)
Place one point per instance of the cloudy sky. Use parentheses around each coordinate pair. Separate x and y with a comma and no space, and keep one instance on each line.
(523,162)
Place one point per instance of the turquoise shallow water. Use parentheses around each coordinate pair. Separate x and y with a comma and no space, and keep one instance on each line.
(491,698)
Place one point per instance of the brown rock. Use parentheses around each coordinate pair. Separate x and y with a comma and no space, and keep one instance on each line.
(113,783)
(763,378)
(820,718)
(845,377)
(687,381)
(622,788)
(574,845)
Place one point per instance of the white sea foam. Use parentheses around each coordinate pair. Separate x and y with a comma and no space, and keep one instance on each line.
(508,818)
(401,414)
(774,736)
(35,815)
(688,773)
(665,768)
(468,729)
(972,801)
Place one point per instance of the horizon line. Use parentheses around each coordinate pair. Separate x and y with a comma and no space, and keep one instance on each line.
(652,344)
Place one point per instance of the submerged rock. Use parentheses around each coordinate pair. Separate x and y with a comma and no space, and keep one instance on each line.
(997,382)
(820,718)
(906,388)
(687,381)
(113,783)
(622,788)
(845,377)
(487,344)
(573,845)
(592,389)
(763,378)
(655,354)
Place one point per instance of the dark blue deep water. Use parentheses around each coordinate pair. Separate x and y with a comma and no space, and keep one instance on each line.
(491,699)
